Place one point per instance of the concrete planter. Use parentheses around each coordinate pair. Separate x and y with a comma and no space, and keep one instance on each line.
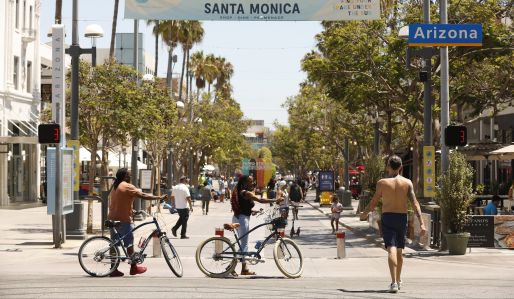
(457,243)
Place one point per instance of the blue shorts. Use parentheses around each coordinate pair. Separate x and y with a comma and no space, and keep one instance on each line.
(124,229)
(394,229)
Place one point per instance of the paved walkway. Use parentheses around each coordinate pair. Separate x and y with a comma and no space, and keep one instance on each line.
(26,252)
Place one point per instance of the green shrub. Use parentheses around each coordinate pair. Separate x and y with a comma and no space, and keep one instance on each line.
(455,192)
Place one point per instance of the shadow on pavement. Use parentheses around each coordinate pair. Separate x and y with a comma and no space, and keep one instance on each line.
(32,230)
(365,291)
(36,243)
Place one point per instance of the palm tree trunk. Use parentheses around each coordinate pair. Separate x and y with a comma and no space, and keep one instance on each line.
(156,51)
(92,174)
(168,72)
(113,32)
(182,76)
(58,11)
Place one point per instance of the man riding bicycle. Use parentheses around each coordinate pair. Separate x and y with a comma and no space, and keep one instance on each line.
(120,209)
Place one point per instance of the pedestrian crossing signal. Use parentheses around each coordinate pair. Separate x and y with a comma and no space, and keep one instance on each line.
(49,133)
(456,136)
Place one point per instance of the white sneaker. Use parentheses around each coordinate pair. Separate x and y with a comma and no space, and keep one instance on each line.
(393,288)
(399,285)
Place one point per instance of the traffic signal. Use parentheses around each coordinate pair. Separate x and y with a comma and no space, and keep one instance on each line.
(456,136)
(49,133)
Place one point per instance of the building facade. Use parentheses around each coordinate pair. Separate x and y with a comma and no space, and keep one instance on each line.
(257,135)
(19,101)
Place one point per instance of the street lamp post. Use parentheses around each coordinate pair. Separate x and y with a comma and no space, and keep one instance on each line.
(190,76)
(75,221)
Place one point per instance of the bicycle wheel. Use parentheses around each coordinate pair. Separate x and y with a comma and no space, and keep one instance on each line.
(288,258)
(171,257)
(216,257)
(98,256)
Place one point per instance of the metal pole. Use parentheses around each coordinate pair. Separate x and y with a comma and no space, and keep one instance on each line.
(427,88)
(169,167)
(135,141)
(188,83)
(76,219)
(445,94)
(376,139)
(346,163)
(445,109)
(58,178)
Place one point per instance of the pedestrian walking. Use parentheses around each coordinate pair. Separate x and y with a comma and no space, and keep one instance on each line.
(222,185)
(395,192)
(120,209)
(271,189)
(242,202)
(336,208)
(180,198)
(205,196)
(296,196)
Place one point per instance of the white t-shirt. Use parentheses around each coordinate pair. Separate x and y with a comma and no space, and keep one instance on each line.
(181,193)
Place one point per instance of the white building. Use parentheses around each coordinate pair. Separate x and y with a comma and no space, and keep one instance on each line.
(19,101)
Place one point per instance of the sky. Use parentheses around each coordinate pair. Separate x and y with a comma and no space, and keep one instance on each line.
(266,55)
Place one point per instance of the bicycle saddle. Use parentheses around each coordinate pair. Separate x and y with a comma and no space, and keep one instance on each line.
(231,226)
(111,224)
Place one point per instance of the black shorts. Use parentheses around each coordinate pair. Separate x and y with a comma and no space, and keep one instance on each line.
(394,229)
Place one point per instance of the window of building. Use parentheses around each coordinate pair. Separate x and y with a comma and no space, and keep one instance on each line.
(15,71)
(17,14)
(30,17)
(29,76)
(24,14)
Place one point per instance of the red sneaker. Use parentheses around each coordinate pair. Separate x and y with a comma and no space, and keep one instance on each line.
(135,269)
(116,273)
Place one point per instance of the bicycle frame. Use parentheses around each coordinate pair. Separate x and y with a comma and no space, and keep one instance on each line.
(241,253)
(119,240)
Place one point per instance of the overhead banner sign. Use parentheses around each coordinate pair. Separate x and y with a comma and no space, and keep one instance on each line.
(253,10)
(463,35)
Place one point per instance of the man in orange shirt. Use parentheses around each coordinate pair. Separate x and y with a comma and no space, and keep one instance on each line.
(120,209)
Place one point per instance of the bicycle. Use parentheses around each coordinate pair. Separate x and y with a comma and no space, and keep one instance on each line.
(217,257)
(104,253)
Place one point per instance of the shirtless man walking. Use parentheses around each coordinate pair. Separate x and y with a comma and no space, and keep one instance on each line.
(395,192)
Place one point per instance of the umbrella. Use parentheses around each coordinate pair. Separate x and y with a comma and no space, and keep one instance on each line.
(504,153)
(209,168)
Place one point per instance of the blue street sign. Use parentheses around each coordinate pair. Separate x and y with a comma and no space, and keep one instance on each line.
(466,35)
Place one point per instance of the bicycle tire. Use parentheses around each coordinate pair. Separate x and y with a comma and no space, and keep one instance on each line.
(171,257)
(283,251)
(107,246)
(228,250)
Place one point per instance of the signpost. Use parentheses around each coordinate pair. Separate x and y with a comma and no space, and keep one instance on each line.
(429,171)
(253,10)
(424,35)
(326,181)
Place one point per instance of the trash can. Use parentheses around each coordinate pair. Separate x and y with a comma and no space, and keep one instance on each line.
(345,198)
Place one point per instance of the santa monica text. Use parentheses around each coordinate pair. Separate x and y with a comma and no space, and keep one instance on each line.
(252,8)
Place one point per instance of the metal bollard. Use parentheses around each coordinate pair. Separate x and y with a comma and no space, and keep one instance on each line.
(341,244)
(218,244)
(156,246)
(280,252)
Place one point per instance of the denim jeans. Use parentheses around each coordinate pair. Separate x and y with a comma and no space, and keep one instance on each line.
(244,221)
(124,229)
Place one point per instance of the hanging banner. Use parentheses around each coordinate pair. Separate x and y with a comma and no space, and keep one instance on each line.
(253,10)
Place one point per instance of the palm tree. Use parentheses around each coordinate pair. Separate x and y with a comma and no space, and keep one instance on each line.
(225,72)
(58,11)
(156,32)
(190,33)
(198,68)
(113,32)
(211,71)
(169,33)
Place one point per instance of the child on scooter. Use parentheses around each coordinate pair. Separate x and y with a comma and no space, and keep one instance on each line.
(336,208)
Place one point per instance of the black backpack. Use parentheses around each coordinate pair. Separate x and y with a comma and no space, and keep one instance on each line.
(295,193)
